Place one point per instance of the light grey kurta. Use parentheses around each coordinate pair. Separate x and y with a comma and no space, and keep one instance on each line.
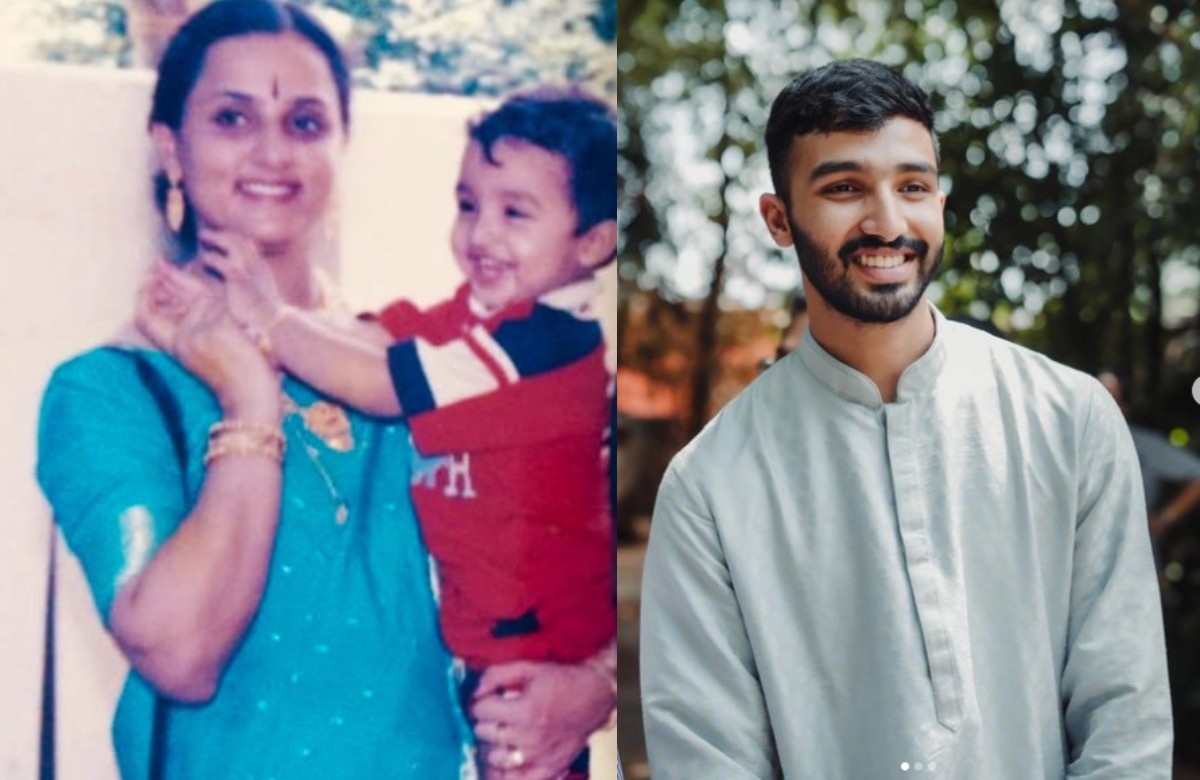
(957,584)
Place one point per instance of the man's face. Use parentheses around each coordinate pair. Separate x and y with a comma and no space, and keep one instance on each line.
(865,218)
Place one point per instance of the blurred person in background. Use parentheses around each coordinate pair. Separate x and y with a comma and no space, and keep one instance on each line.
(792,333)
(1166,469)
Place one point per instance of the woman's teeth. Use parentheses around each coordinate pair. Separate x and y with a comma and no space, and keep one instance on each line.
(264,190)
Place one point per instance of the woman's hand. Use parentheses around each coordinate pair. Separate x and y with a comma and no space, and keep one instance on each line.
(250,291)
(180,618)
(186,315)
(533,718)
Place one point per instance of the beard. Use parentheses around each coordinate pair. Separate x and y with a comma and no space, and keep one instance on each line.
(877,303)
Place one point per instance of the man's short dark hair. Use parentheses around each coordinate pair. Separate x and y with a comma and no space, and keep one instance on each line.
(855,96)
(568,122)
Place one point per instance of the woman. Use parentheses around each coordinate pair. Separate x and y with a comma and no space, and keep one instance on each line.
(252,556)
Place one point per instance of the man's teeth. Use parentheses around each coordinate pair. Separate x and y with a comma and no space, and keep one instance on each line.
(880,261)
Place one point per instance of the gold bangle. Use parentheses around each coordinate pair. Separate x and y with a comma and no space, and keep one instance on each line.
(237,437)
(262,336)
(218,429)
(223,450)
(243,448)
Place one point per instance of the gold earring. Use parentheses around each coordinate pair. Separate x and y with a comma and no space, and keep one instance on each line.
(175,206)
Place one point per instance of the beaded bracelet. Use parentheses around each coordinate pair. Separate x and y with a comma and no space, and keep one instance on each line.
(222,427)
(262,336)
(238,437)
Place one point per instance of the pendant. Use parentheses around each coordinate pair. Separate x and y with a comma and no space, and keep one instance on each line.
(329,423)
(342,514)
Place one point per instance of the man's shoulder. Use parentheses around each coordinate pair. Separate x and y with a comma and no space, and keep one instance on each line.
(1017,369)
(1066,404)
(743,426)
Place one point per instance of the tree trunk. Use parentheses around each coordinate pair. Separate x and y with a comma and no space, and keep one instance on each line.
(706,347)
(152,23)
(1153,343)
(706,336)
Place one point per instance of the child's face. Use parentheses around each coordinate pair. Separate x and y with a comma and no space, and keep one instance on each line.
(514,236)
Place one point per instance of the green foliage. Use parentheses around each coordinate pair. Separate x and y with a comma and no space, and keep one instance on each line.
(84,32)
(480,47)
(469,47)
(1069,138)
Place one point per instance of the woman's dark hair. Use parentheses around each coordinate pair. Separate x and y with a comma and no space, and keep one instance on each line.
(573,124)
(855,96)
(183,61)
(184,58)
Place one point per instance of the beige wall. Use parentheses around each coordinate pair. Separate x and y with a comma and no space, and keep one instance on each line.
(75,234)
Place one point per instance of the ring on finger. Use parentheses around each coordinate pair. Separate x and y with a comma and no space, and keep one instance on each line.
(516,758)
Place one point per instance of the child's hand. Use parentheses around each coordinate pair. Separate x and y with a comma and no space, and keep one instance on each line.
(250,292)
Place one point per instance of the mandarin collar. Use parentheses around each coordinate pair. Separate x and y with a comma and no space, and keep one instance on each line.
(854,386)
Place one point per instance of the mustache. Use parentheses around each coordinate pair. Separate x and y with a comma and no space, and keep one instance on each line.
(846,253)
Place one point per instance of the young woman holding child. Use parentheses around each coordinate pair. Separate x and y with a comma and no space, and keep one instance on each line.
(254,552)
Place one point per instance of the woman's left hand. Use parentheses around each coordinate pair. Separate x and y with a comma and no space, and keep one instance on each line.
(533,718)
(185,314)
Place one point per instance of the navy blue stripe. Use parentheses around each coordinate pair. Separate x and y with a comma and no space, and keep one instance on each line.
(408,378)
(547,339)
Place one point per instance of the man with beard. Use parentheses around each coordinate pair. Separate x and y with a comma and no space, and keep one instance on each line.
(909,546)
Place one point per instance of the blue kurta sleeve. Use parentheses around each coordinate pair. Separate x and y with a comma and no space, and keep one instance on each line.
(704,709)
(1114,686)
(108,467)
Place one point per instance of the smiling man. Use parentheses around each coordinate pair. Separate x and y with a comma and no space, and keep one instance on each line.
(909,547)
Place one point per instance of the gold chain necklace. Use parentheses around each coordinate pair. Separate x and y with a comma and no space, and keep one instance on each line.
(325,420)
(329,423)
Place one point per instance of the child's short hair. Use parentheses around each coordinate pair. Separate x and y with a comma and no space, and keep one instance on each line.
(569,122)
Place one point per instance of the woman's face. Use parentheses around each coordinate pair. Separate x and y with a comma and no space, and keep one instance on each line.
(261,138)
